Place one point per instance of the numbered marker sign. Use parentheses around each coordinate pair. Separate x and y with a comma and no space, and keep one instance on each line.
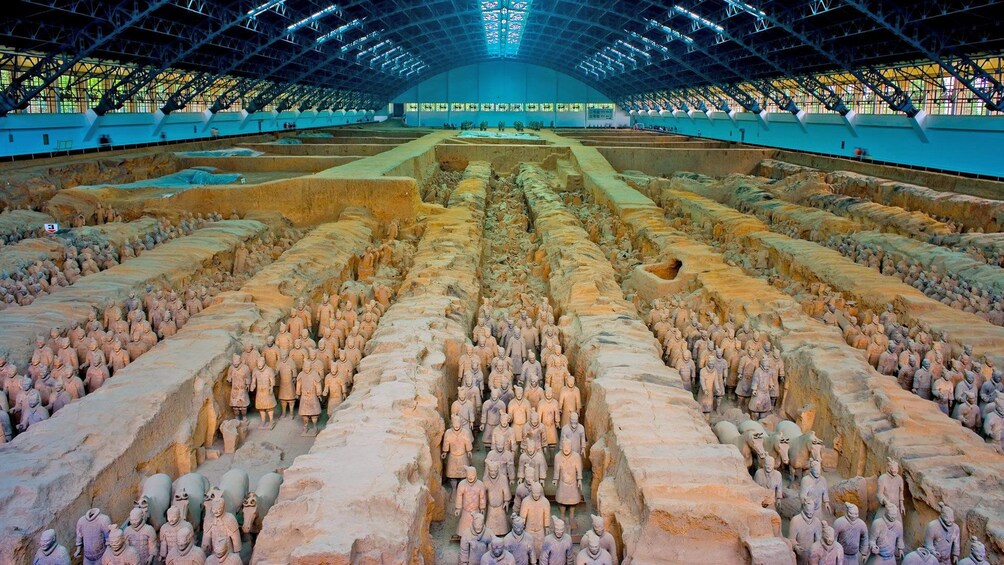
(52,228)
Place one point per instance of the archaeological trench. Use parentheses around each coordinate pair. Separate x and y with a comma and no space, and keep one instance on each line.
(375,345)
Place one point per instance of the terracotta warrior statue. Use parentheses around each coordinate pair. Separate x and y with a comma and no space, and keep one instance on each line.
(804,531)
(308,390)
(49,551)
(923,555)
(286,376)
(890,487)
(568,480)
(118,551)
(497,554)
(186,552)
(535,510)
(557,547)
(456,450)
(977,553)
(852,534)
(814,486)
(499,497)
(222,554)
(886,535)
(263,385)
(475,541)
(770,478)
(141,536)
(471,497)
(519,544)
(92,531)
(219,524)
(491,412)
(592,554)
(170,532)
(943,535)
(239,377)
(827,551)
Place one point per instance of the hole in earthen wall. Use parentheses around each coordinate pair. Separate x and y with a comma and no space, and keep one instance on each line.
(667,270)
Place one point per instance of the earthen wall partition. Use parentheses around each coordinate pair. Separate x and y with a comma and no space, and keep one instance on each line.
(805,260)
(971,211)
(504,158)
(370,182)
(320,149)
(374,138)
(672,493)
(746,191)
(171,264)
(267,163)
(942,182)
(872,417)
(370,485)
(653,144)
(659,162)
(154,415)
(35,185)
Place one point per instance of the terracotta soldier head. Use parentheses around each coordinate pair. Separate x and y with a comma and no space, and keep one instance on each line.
(221,546)
(116,539)
(47,541)
(557,527)
(851,511)
(768,463)
(478,522)
(173,515)
(947,515)
(977,551)
(808,508)
(537,490)
(893,466)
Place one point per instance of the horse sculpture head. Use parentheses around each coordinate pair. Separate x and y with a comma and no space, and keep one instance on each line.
(250,510)
(783,444)
(816,449)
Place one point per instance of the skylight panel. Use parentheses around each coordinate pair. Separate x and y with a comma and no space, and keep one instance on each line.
(504,22)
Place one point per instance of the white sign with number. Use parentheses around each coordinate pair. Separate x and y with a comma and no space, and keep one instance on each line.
(52,228)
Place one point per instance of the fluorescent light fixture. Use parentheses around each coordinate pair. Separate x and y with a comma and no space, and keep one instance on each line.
(360,42)
(265,7)
(698,19)
(744,7)
(312,18)
(634,49)
(372,48)
(340,30)
(672,33)
(649,43)
(504,22)
(622,55)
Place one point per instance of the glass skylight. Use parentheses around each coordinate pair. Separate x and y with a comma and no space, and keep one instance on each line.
(504,23)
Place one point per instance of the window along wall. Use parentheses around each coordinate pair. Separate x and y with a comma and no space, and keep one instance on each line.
(507,91)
